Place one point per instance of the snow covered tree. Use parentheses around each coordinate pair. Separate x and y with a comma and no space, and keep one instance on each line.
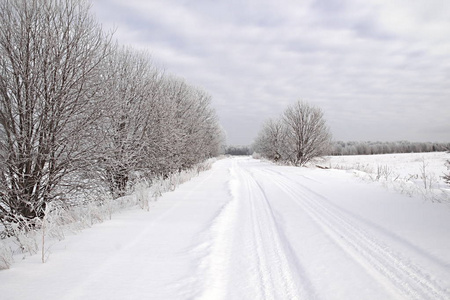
(198,126)
(306,133)
(155,125)
(297,137)
(50,57)
(185,129)
(270,140)
(128,96)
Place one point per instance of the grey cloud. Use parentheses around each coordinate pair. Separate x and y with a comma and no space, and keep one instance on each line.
(372,81)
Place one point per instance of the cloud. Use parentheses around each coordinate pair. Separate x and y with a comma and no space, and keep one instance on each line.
(379,70)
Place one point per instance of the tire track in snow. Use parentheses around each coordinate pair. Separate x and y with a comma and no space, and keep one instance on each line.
(407,279)
(217,262)
(277,278)
(246,227)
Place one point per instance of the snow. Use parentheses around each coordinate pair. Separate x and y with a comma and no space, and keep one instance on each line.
(410,174)
(248,229)
(407,166)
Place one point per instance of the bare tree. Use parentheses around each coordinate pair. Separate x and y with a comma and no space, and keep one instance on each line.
(156,124)
(307,135)
(50,74)
(297,137)
(128,94)
(199,125)
(270,141)
(184,130)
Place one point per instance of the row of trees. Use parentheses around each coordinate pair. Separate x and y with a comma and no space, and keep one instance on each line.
(298,136)
(238,150)
(365,148)
(79,112)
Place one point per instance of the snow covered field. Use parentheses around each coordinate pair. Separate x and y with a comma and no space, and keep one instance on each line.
(403,164)
(248,229)
(410,174)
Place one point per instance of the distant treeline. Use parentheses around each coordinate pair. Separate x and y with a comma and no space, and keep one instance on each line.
(238,150)
(365,148)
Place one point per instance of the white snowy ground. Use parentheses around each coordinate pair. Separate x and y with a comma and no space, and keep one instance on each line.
(409,174)
(406,165)
(247,229)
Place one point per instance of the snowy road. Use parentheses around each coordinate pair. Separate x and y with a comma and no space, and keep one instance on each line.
(251,230)
(286,240)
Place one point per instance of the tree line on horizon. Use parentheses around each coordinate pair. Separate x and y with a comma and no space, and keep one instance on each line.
(362,148)
(368,147)
(79,112)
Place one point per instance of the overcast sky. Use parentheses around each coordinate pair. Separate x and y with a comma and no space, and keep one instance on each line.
(380,70)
